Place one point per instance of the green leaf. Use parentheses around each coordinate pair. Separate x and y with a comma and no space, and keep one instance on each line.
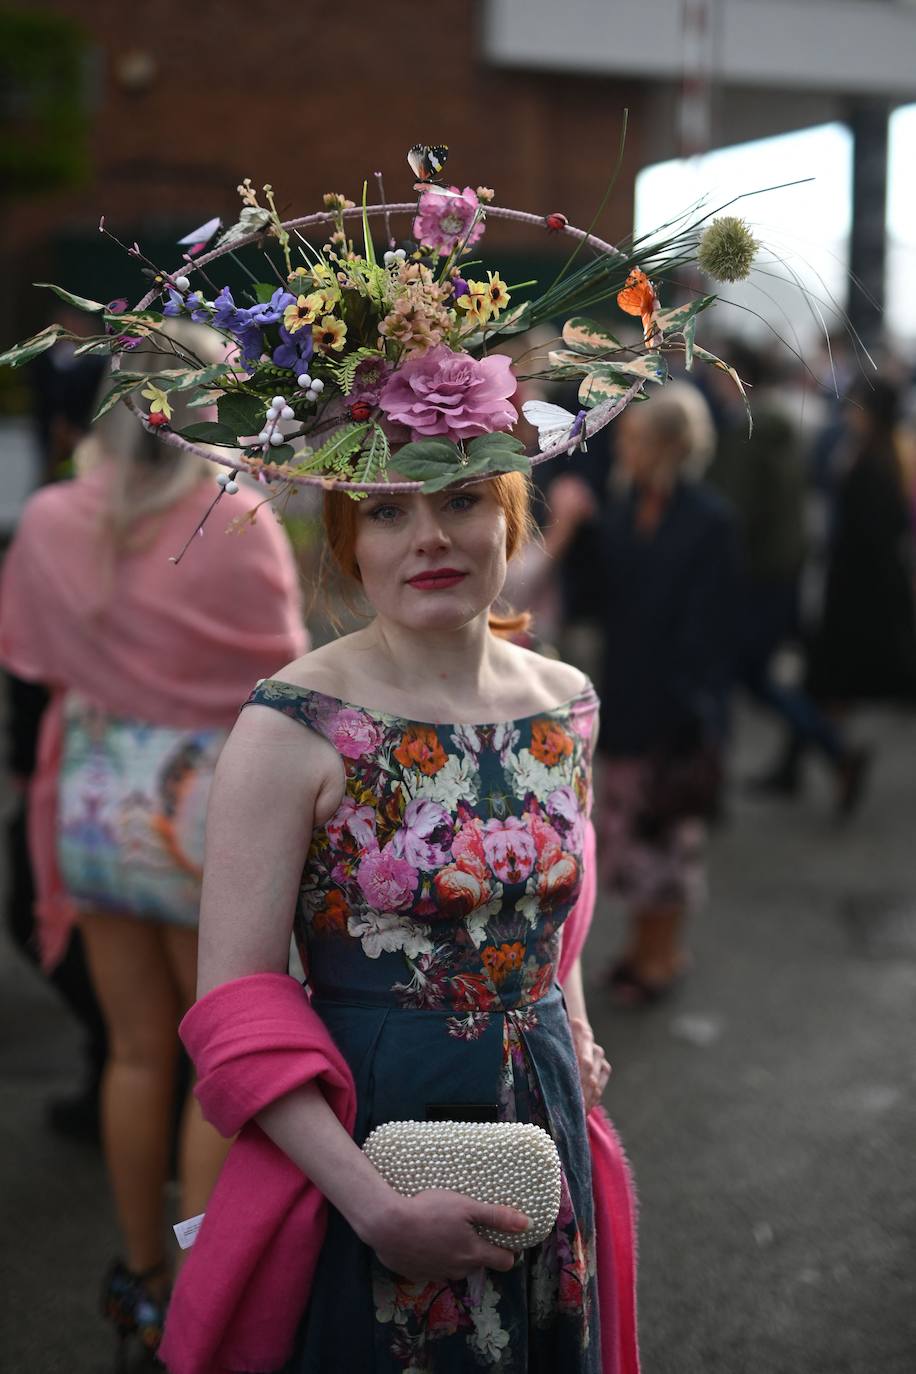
(263,290)
(690,329)
(81,302)
(603,384)
(584,336)
(651,366)
(674,321)
(486,444)
(713,361)
(243,414)
(208,432)
(497,460)
(514,321)
(374,457)
(183,379)
(367,237)
(426,458)
(122,387)
(336,451)
(31,348)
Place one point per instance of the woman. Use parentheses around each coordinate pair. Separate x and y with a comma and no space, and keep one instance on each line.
(430,861)
(665,579)
(145,662)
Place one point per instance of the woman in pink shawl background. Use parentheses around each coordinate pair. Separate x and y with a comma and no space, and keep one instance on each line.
(147,664)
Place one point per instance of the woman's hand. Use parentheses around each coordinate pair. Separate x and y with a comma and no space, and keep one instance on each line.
(594,1069)
(431,1235)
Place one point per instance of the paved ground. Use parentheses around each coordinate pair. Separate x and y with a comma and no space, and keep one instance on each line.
(769,1113)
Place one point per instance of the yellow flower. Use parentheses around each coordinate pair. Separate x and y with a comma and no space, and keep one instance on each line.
(305,311)
(477,301)
(496,290)
(158,401)
(330,334)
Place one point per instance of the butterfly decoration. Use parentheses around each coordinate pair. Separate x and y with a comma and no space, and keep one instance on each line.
(197,240)
(426,163)
(252,220)
(638,297)
(554,424)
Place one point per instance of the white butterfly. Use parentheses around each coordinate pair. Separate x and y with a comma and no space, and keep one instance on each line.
(202,235)
(554,424)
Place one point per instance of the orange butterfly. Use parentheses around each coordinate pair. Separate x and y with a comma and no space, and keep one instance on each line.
(638,298)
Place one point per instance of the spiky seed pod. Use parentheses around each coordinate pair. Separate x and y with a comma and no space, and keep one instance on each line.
(726,249)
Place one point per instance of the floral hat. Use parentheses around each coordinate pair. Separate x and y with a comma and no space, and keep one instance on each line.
(368,366)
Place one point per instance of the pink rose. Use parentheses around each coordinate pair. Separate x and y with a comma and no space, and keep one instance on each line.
(388,883)
(546,840)
(352,733)
(510,849)
(563,809)
(451,394)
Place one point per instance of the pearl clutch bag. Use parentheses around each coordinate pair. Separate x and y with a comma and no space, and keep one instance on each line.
(511,1163)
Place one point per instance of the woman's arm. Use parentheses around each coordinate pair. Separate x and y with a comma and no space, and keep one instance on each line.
(274,782)
(594,1069)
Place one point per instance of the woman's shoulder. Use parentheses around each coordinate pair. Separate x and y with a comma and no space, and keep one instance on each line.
(553,680)
(321,670)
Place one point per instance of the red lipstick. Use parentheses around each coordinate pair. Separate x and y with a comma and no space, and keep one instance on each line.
(436,579)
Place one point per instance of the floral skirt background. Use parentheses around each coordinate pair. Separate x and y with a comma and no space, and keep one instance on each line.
(132,802)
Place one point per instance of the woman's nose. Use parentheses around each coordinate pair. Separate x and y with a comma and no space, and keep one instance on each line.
(429,532)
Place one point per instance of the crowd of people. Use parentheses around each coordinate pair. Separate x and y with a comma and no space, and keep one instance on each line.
(691,555)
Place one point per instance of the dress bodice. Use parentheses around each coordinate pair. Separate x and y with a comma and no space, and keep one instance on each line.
(445,874)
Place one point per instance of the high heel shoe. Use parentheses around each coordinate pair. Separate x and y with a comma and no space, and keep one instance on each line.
(134,1311)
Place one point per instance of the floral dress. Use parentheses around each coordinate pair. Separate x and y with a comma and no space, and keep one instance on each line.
(428,925)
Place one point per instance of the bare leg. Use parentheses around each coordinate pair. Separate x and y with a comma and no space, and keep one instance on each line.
(201,1148)
(135,988)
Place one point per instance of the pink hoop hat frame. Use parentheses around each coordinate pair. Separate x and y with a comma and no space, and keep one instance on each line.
(596,419)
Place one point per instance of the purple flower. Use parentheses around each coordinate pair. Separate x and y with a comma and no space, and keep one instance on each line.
(460,287)
(117,307)
(387,882)
(369,379)
(251,345)
(270,312)
(226,313)
(426,835)
(295,350)
(445,217)
(451,394)
(175,303)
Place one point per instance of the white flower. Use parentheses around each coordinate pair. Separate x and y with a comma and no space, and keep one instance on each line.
(528,774)
(505,738)
(467,739)
(476,922)
(454,782)
(530,907)
(388,931)
(489,1338)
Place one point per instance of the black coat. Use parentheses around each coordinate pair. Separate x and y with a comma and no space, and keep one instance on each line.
(865,648)
(666,602)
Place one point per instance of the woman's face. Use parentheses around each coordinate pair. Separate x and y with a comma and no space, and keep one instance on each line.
(432,562)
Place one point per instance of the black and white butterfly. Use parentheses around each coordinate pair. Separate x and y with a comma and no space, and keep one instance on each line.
(427,161)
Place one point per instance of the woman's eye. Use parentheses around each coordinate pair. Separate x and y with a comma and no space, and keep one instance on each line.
(385,514)
(461,503)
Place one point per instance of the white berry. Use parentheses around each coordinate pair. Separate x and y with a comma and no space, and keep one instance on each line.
(276,438)
(181,283)
(317,385)
(304,379)
(278,402)
(287,413)
(231,488)
(263,437)
(273,413)
(223,479)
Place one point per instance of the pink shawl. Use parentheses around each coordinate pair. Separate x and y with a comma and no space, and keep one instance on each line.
(245,1285)
(178,646)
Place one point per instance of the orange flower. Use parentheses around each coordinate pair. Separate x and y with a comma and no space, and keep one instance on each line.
(638,298)
(420,748)
(549,743)
(503,961)
(333,915)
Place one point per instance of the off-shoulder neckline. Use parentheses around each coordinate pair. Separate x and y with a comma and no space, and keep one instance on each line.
(587,690)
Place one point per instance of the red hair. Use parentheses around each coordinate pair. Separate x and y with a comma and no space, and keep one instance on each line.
(512,492)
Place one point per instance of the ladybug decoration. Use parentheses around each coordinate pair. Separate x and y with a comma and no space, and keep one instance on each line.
(360,410)
(555,222)
(156,420)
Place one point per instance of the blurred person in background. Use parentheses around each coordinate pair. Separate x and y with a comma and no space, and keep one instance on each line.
(64,386)
(763,477)
(665,569)
(146,664)
(864,648)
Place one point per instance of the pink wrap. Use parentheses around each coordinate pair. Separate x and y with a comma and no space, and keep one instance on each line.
(179,646)
(246,1282)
